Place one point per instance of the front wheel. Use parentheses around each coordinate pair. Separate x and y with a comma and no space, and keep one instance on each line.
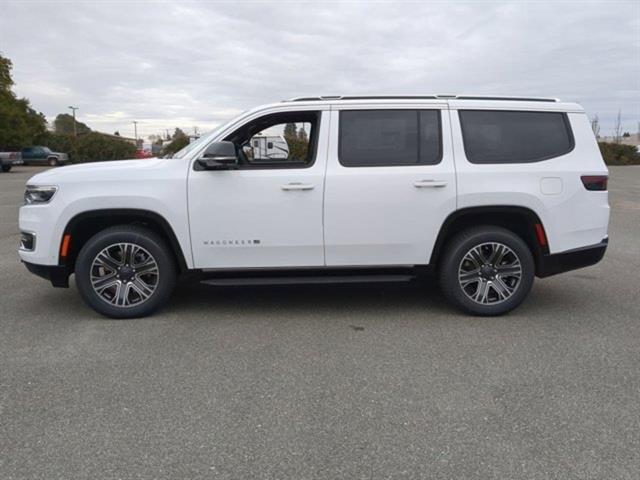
(6,168)
(53,162)
(486,271)
(125,272)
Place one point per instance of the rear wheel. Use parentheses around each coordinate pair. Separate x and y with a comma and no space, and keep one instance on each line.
(53,162)
(487,271)
(6,168)
(125,272)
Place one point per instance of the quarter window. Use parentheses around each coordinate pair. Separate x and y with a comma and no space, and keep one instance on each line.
(376,138)
(498,136)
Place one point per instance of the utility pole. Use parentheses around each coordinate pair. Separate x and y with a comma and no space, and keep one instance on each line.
(135,129)
(73,109)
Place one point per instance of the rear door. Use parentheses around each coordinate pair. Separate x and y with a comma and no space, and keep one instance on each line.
(390,183)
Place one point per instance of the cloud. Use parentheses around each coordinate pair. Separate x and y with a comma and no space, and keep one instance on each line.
(188,64)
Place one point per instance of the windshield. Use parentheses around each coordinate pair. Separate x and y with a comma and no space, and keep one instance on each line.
(204,138)
(191,146)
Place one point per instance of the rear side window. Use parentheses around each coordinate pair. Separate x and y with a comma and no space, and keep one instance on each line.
(498,136)
(376,138)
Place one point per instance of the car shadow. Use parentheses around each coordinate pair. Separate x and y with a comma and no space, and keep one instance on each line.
(358,299)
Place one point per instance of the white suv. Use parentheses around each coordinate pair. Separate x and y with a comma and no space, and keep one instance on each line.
(487,191)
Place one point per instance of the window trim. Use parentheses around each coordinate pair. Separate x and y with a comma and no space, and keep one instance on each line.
(417,111)
(565,119)
(314,135)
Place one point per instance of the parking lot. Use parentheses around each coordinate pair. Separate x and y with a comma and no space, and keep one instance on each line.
(325,382)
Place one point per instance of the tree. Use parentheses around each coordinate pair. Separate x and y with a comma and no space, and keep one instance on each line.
(617,130)
(19,123)
(290,131)
(63,124)
(302,135)
(297,141)
(179,141)
(116,133)
(595,125)
(178,133)
(626,135)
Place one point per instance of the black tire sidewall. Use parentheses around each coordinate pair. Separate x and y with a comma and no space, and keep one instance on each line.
(139,236)
(464,242)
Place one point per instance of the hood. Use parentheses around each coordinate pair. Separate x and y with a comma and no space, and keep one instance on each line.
(97,171)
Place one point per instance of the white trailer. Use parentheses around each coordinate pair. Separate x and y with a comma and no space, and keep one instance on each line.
(269,147)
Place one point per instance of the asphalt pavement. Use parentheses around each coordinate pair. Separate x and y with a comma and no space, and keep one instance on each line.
(381,381)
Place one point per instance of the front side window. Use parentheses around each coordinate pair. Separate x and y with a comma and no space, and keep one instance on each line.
(499,136)
(277,140)
(389,137)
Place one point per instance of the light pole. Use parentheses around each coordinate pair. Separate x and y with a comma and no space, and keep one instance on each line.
(73,109)
(135,130)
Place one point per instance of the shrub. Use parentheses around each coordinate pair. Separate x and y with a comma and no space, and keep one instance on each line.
(95,147)
(57,143)
(90,147)
(618,154)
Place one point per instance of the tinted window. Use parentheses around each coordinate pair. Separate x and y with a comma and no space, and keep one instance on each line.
(389,137)
(514,137)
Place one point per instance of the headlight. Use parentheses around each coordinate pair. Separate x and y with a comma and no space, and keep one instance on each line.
(42,194)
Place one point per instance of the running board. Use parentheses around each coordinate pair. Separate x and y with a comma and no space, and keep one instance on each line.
(307,280)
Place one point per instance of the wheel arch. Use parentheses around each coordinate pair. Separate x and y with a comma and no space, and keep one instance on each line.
(84,225)
(520,220)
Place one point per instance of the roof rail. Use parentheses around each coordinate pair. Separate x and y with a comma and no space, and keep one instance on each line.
(512,99)
(361,97)
(420,97)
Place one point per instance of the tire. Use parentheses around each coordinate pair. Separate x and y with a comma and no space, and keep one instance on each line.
(6,168)
(52,162)
(102,259)
(486,271)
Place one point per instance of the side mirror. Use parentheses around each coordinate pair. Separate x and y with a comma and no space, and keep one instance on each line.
(218,156)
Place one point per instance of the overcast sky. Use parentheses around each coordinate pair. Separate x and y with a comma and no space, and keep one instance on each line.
(186,64)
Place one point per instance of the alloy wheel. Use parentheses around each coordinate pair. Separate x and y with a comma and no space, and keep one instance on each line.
(124,275)
(490,273)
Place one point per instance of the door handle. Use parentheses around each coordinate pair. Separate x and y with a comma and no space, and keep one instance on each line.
(430,184)
(297,186)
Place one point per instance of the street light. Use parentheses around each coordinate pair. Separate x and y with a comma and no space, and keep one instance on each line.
(73,109)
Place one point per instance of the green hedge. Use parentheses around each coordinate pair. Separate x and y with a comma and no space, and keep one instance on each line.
(618,154)
(90,147)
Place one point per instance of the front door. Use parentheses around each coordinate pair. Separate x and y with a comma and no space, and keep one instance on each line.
(268,212)
(390,184)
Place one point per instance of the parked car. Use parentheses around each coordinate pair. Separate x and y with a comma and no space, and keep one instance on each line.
(43,156)
(141,154)
(488,192)
(9,159)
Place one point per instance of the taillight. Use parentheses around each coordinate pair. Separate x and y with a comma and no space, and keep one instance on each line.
(595,182)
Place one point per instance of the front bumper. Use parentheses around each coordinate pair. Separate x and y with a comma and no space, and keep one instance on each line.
(555,263)
(58,275)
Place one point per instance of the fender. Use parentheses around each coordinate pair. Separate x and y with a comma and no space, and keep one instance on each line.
(127,215)
(508,216)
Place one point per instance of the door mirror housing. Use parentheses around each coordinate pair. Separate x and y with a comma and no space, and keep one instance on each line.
(218,156)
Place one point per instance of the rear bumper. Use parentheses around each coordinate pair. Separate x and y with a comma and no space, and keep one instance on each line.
(553,264)
(58,275)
